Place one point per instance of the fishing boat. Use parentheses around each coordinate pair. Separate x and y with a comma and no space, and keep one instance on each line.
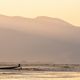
(12,67)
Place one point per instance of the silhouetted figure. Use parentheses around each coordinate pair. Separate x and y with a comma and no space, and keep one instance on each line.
(19,66)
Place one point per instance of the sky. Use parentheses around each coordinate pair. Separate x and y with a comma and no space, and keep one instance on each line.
(68,10)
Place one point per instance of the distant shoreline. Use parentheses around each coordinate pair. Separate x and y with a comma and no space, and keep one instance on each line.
(48,67)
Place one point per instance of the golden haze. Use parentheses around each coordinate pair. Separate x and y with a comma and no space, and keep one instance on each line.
(68,10)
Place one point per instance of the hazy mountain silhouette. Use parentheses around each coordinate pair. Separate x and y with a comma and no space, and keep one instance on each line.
(42,39)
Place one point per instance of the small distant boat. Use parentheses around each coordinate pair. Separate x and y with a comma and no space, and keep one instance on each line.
(12,67)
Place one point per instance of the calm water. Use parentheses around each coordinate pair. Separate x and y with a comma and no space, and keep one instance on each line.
(38,75)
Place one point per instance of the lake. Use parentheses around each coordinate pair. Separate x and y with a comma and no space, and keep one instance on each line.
(38,75)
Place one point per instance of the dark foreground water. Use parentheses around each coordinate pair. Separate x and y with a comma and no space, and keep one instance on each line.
(38,75)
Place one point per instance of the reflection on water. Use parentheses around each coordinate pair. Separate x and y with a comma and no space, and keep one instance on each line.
(38,75)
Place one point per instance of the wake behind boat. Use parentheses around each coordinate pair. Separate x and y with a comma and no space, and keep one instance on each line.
(12,67)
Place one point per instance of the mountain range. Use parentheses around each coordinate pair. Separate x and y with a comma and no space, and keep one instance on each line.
(41,39)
